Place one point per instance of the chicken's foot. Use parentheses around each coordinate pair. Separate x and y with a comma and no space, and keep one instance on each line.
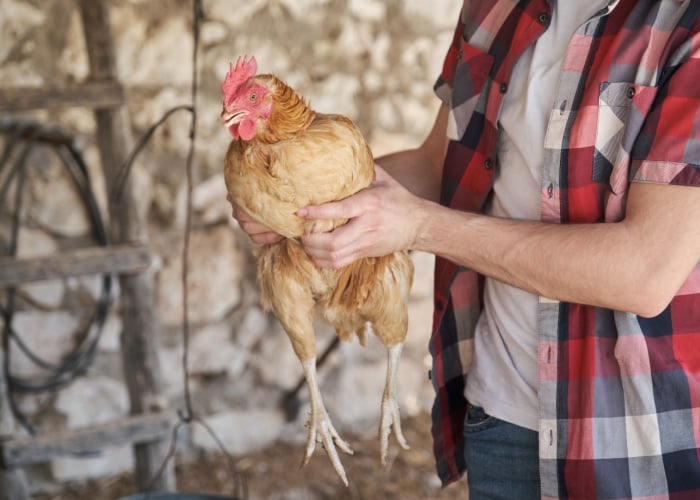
(320,427)
(390,406)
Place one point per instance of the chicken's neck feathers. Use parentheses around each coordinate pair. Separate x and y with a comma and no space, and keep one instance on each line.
(290,114)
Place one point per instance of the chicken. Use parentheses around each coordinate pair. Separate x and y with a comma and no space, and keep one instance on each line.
(284,156)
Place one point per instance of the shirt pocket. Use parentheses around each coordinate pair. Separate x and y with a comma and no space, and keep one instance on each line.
(471,75)
(622,110)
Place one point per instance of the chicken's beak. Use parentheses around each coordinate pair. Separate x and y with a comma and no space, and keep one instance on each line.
(228,119)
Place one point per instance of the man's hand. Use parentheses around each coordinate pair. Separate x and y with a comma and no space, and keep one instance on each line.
(258,233)
(383,218)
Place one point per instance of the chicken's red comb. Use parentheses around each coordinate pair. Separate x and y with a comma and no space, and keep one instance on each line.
(245,68)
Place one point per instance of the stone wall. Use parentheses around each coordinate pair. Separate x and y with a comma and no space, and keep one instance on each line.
(372,60)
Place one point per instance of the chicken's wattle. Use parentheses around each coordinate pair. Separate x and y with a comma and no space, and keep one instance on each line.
(246,129)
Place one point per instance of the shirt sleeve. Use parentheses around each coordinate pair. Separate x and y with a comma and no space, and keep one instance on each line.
(667,150)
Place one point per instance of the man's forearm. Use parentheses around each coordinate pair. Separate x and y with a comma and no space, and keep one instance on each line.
(635,265)
(537,257)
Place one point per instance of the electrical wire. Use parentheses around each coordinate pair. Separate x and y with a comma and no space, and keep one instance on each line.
(9,310)
(77,361)
(125,169)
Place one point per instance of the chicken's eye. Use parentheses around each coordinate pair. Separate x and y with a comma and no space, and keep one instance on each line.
(253,97)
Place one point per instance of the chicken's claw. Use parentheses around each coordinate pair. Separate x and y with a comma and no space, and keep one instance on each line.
(390,417)
(320,427)
(321,430)
(390,406)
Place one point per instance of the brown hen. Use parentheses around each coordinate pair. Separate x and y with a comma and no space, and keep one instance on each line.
(285,156)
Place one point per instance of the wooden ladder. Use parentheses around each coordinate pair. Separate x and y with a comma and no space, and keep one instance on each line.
(149,425)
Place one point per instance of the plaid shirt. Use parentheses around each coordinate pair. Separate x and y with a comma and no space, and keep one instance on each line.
(619,395)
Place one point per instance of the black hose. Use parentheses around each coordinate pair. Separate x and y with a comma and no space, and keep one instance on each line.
(76,362)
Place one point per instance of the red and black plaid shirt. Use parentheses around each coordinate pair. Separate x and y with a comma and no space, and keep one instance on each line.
(619,395)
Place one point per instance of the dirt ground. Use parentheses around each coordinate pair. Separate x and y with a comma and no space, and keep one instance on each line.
(274,474)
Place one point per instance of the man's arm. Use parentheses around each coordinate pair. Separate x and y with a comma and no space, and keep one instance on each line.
(420,169)
(636,265)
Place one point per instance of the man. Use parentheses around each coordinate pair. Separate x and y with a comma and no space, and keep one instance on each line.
(566,162)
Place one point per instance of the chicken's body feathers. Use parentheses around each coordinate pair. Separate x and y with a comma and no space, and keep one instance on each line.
(371,290)
(326,161)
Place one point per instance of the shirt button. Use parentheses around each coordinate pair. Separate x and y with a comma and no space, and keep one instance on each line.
(488,164)
(631,92)
(439,306)
(502,88)
(543,18)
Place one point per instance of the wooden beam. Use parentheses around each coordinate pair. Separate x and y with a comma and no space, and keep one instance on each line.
(140,339)
(13,483)
(100,94)
(30,130)
(144,428)
(94,260)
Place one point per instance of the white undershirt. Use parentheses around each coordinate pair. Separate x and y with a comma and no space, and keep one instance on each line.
(504,378)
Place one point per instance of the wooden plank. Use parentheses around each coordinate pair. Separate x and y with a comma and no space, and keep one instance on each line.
(13,483)
(141,339)
(94,260)
(51,135)
(144,428)
(99,94)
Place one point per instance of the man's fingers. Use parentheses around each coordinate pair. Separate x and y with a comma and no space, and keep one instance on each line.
(381,175)
(257,232)
(333,249)
(332,210)
(240,215)
(265,238)
(348,208)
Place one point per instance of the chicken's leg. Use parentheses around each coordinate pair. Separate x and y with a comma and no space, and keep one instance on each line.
(320,427)
(390,405)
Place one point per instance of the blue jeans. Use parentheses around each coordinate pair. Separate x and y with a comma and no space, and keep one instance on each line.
(502,459)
